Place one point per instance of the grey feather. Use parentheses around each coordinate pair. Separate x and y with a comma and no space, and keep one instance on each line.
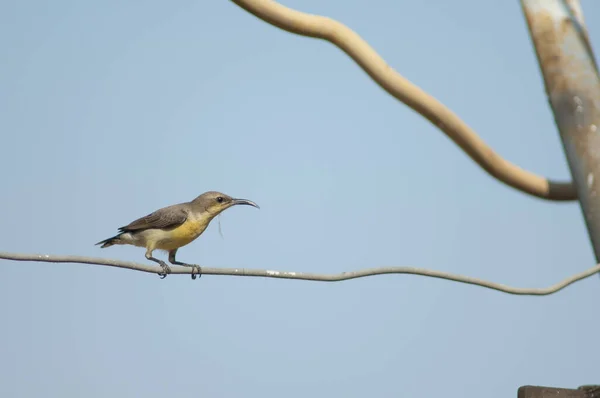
(167,217)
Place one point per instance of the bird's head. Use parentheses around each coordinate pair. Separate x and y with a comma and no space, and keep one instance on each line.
(215,202)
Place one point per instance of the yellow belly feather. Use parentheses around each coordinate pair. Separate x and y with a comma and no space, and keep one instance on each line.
(182,235)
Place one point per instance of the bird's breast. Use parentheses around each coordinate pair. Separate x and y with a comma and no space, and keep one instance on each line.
(190,229)
(182,235)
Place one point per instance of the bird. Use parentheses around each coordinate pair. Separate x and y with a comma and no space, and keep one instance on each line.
(173,227)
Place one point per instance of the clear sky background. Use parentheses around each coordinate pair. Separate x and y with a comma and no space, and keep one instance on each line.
(110,110)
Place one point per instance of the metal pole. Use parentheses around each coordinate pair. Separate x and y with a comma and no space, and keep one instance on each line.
(572,84)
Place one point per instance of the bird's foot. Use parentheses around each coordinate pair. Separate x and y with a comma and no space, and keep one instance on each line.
(165,270)
(196,270)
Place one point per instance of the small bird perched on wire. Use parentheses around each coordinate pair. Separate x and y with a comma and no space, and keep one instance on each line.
(173,227)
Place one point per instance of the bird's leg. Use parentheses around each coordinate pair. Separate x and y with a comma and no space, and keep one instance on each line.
(195,268)
(165,267)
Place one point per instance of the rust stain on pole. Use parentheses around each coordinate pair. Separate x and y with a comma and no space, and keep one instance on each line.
(572,85)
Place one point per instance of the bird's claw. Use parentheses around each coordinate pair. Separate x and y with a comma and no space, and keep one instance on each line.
(166,270)
(196,271)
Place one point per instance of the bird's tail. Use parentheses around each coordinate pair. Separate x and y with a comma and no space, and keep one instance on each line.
(115,240)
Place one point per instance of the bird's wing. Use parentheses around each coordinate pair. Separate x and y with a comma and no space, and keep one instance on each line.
(167,217)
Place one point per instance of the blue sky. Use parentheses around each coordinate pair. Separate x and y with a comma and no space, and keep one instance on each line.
(111,110)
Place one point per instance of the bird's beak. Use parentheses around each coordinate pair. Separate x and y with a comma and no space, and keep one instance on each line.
(244,202)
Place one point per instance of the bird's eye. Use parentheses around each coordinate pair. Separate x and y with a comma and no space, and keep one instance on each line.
(220,199)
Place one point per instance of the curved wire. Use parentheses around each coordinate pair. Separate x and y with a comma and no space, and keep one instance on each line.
(402,89)
(307,276)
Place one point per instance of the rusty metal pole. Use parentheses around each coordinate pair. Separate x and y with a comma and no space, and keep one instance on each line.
(572,84)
